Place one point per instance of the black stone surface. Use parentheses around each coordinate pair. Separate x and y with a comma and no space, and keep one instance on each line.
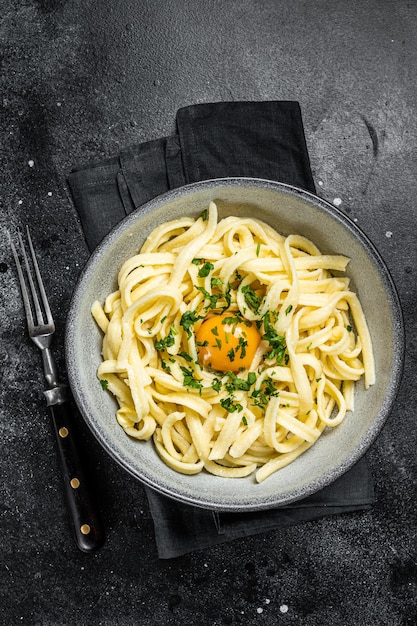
(80,80)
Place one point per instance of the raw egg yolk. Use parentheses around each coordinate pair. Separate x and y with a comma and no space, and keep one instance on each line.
(227,343)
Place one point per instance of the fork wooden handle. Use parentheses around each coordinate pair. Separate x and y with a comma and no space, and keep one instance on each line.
(88,531)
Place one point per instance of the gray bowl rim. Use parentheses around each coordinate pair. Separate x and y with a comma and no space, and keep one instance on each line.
(391,290)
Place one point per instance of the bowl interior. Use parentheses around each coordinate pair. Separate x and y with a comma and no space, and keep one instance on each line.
(288,210)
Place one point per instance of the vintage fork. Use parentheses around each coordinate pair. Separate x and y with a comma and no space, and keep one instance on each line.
(86,522)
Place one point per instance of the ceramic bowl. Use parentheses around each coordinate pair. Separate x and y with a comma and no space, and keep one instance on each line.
(288,210)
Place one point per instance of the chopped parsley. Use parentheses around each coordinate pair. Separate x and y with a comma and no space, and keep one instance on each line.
(251,298)
(239,384)
(163,344)
(216,282)
(242,345)
(204,271)
(228,296)
(266,391)
(275,340)
(187,320)
(104,383)
(234,320)
(212,298)
(216,384)
(190,380)
(229,405)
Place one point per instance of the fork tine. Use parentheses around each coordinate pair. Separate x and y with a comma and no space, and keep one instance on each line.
(41,288)
(25,294)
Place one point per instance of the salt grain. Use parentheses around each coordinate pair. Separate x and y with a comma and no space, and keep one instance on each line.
(337,201)
(259,610)
(388,234)
(31,163)
(283,608)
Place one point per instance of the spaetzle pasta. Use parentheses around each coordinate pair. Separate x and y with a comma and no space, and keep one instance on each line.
(232,346)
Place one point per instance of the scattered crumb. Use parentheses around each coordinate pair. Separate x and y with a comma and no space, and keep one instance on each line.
(31,162)
(337,201)
(259,610)
(283,608)
(49,193)
(320,183)
(388,233)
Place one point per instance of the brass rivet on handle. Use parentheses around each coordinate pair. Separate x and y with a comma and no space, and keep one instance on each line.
(63,432)
(75,483)
(85,529)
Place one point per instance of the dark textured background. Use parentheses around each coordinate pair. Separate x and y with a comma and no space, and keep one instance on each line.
(80,81)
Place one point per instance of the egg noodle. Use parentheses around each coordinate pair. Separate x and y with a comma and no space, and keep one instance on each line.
(313,345)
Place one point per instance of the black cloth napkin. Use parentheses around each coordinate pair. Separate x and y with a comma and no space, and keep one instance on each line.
(215,140)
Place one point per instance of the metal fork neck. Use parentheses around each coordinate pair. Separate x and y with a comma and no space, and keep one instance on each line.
(49,368)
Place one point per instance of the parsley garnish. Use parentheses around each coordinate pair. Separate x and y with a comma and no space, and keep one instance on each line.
(227,296)
(242,345)
(205,270)
(251,378)
(187,320)
(230,406)
(236,383)
(163,344)
(189,380)
(251,298)
(275,340)
(104,383)
(265,392)
(216,384)
(211,297)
